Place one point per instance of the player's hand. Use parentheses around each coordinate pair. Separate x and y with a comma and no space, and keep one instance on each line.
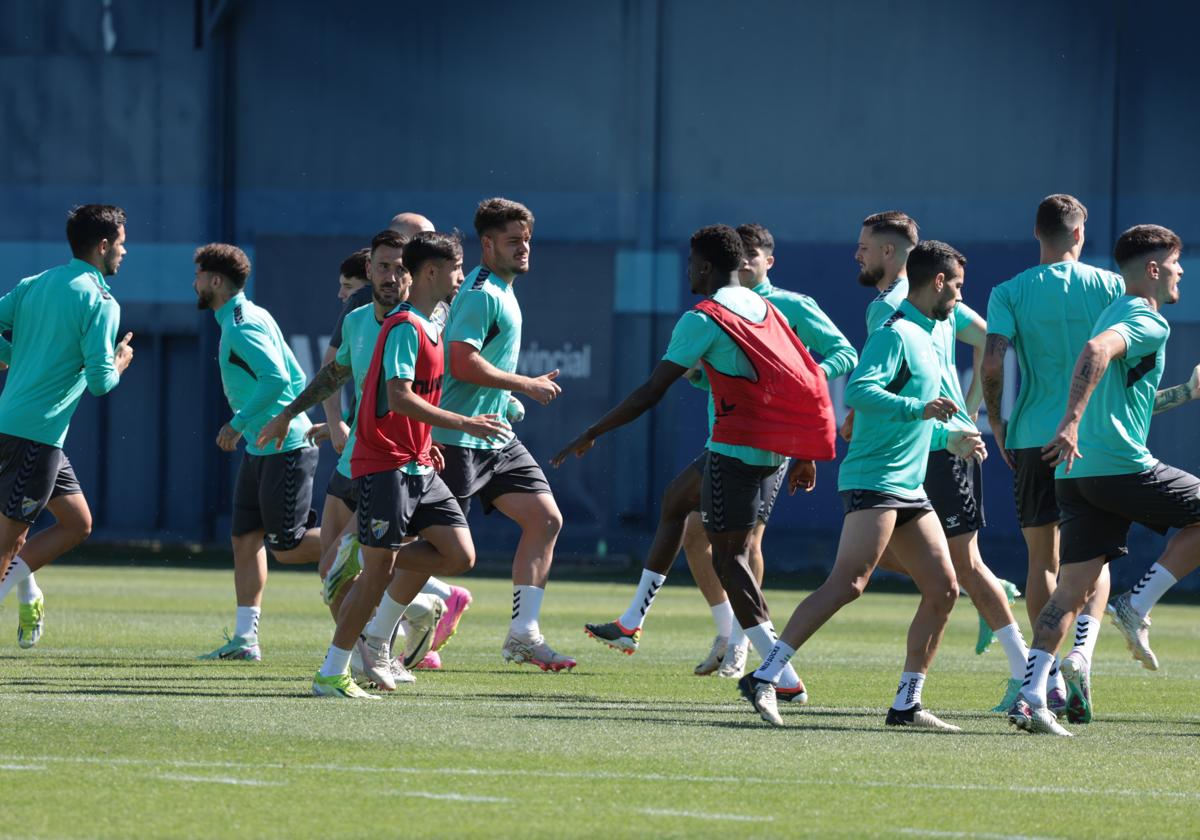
(543,388)
(579,447)
(227,438)
(485,426)
(802,475)
(339,435)
(438,457)
(123,353)
(3,365)
(1194,383)
(274,432)
(943,408)
(967,445)
(847,426)
(316,433)
(1000,432)
(1063,448)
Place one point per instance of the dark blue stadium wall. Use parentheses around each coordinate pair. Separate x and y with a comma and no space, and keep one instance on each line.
(296,129)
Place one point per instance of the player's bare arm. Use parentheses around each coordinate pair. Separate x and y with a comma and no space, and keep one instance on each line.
(1169,398)
(339,432)
(991,376)
(327,381)
(402,399)
(468,365)
(975,335)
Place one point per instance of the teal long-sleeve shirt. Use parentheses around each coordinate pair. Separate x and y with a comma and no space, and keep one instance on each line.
(898,374)
(64,332)
(259,373)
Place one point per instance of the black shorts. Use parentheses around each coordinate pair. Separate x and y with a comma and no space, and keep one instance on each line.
(955,488)
(274,494)
(906,509)
(491,473)
(395,504)
(731,492)
(342,488)
(31,474)
(1097,511)
(1033,488)
(768,490)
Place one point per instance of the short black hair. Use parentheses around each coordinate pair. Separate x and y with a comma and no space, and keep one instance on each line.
(430,245)
(894,221)
(88,224)
(755,236)
(721,246)
(1058,215)
(1141,241)
(931,258)
(387,237)
(229,261)
(496,213)
(355,265)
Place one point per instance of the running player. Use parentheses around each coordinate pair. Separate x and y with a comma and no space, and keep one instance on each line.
(483,340)
(747,351)
(1046,314)
(954,485)
(398,492)
(1105,477)
(64,329)
(271,500)
(895,390)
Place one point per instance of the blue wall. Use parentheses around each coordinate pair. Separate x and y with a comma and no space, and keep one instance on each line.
(297,129)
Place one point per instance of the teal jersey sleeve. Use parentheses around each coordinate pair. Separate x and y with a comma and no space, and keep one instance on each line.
(343,356)
(98,344)
(881,363)
(258,351)
(1000,318)
(878,311)
(1143,332)
(691,338)
(400,352)
(473,319)
(964,316)
(818,332)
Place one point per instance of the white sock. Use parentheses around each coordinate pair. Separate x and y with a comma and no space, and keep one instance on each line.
(647,589)
(337,661)
(1153,585)
(1056,678)
(775,661)
(1014,648)
(1037,672)
(247,622)
(438,587)
(387,618)
(17,572)
(764,639)
(27,590)
(737,638)
(908,694)
(722,615)
(527,605)
(1087,631)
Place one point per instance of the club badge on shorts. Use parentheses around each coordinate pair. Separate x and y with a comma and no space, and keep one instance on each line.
(379,527)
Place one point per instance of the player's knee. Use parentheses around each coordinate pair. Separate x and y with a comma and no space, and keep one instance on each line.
(852,590)
(81,528)
(943,597)
(462,560)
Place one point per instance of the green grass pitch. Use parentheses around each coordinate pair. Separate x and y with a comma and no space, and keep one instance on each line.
(112,729)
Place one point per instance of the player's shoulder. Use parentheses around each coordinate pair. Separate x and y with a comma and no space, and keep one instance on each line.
(897,288)
(477,282)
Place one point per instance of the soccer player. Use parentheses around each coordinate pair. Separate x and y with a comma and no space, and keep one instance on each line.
(748,351)
(1046,314)
(896,392)
(353,274)
(64,330)
(399,494)
(273,493)
(483,341)
(1105,477)
(954,485)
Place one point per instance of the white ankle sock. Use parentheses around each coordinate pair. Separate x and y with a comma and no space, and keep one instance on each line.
(908,694)
(1056,678)
(737,638)
(17,572)
(1153,585)
(247,622)
(1087,631)
(722,615)
(527,605)
(27,590)
(1037,673)
(438,587)
(775,661)
(337,661)
(647,589)
(1014,648)
(387,617)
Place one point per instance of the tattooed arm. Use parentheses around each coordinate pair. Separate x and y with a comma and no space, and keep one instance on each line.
(327,381)
(992,375)
(1169,398)
(1089,370)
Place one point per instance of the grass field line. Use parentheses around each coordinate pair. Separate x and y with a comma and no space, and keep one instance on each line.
(599,774)
(219,780)
(972,835)
(450,797)
(701,815)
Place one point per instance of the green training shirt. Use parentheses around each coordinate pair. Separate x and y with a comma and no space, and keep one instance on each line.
(1116,422)
(1047,312)
(259,374)
(813,327)
(886,303)
(400,362)
(485,314)
(359,330)
(897,376)
(64,329)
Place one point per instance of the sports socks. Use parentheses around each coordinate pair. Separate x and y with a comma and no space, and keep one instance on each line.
(17,572)
(1037,672)
(722,615)
(27,590)
(247,622)
(647,590)
(438,587)
(1153,585)
(765,642)
(737,638)
(337,661)
(1013,645)
(1087,631)
(908,694)
(386,619)
(527,605)
(775,661)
